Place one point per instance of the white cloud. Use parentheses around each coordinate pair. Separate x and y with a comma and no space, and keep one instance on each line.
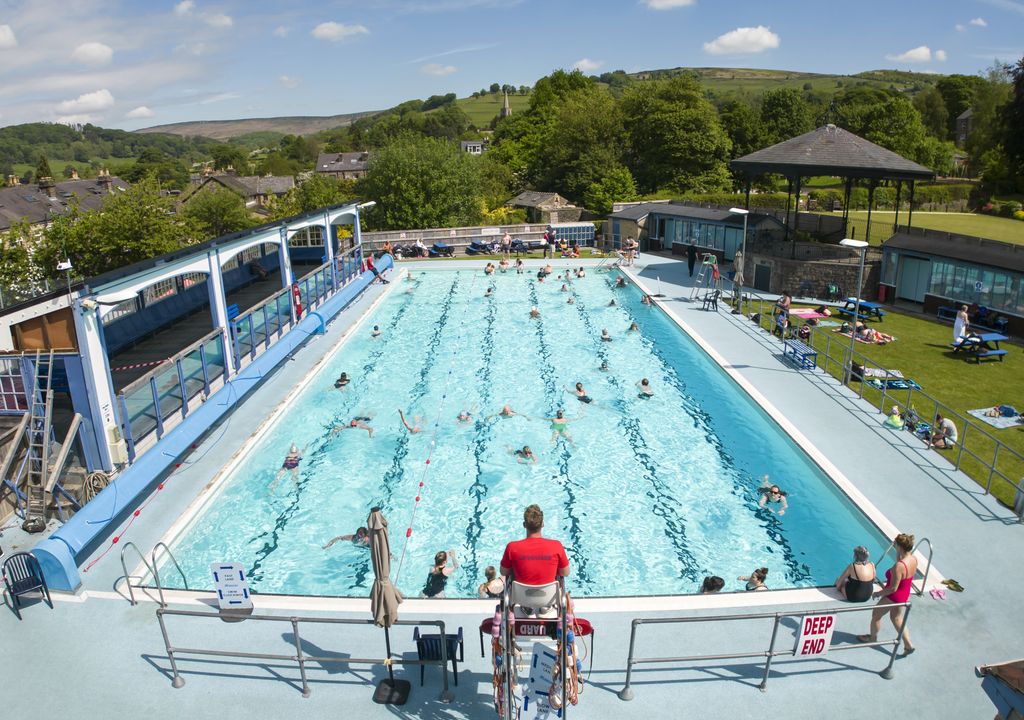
(194,49)
(979,22)
(77,119)
(218,20)
(743,41)
(959,28)
(93,54)
(668,4)
(7,38)
(289,82)
(281,31)
(436,69)
(140,112)
(586,65)
(88,102)
(940,55)
(219,97)
(920,54)
(185,7)
(335,32)
(1010,5)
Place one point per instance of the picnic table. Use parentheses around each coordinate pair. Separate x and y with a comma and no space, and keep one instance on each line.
(985,345)
(868,310)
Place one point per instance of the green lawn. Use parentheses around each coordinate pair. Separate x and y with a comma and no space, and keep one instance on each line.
(482,110)
(922,352)
(986,226)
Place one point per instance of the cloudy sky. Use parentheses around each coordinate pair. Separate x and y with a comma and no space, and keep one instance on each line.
(134,64)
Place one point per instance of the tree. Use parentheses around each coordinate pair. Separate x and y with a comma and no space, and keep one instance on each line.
(229,156)
(932,107)
(785,114)
(421,182)
(43,168)
(524,89)
(1012,122)
(495,87)
(129,226)
(168,171)
(674,138)
(958,94)
(885,118)
(986,136)
(16,271)
(617,186)
(742,124)
(216,212)
(318,191)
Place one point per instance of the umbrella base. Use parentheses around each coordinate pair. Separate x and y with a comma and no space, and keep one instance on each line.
(392,692)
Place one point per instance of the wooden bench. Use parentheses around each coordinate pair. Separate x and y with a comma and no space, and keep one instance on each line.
(946,313)
(803,354)
(987,354)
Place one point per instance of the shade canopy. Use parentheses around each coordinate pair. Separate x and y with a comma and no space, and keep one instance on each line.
(384,597)
(830,151)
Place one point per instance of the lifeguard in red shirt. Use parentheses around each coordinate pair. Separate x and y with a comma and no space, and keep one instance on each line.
(535,560)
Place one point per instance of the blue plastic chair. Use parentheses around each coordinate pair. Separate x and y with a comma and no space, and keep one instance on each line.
(428,648)
(23,575)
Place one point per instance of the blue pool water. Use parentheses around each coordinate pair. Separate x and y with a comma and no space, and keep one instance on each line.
(649,497)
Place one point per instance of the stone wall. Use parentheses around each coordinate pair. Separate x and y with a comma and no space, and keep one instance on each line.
(809,278)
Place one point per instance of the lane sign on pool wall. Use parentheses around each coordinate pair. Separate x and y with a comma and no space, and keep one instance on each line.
(815,635)
(232,586)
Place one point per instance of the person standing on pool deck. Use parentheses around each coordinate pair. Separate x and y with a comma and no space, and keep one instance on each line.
(535,560)
(961,324)
(899,581)
(291,464)
(691,257)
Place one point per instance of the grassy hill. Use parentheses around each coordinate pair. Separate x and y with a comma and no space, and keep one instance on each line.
(227,129)
(481,110)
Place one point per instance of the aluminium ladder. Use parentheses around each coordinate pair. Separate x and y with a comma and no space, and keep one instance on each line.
(38,434)
(709,275)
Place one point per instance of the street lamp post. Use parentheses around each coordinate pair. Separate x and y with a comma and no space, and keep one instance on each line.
(863,248)
(743,255)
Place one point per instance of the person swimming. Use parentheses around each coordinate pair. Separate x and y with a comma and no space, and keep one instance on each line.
(771,494)
(565,288)
(489,292)
(290,464)
(611,303)
(560,426)
(581,394)
(361,538)
(645,389)
(520,267)
(534,312)
(525,455)
(342,381)
(415,426)
(466,416)
(604,366)
(581,272)
(621,282)
(633,327)
(356,422)
(571,300)
(505,413)
(605,337)
(646,300)
(376,331)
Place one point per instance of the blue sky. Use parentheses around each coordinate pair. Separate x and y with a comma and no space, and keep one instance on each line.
(134,64)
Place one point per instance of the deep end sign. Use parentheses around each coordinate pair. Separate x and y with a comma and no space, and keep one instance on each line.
(815,635)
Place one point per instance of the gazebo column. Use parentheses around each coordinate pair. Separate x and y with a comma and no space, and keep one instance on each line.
(896,217)
(871,202)
(747,202)
(910,210)
(789,195)
(846,206)
(796,218)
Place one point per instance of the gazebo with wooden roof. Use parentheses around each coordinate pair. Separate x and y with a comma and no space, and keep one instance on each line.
(832,151)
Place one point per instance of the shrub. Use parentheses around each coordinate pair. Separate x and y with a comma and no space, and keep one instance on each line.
(1009,208)
(1019,215)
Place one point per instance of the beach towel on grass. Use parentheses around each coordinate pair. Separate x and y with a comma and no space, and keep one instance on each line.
(880,373)
(1001,422)
(894,384)
(806,313)
(866,342)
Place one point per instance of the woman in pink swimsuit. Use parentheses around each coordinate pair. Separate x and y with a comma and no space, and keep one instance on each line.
(898,585)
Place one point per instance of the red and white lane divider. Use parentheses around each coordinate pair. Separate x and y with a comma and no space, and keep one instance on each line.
(136,366)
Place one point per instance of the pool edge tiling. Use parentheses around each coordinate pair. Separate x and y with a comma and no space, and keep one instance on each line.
(844,486)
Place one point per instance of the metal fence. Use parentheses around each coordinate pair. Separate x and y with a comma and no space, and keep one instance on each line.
(978,453)
(299,657)
(768,655)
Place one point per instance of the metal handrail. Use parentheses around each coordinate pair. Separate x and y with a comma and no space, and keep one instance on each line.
(627,692)
(299,657)
(127,577)
(156,569)
(144,379)
(927,566)
(844,363)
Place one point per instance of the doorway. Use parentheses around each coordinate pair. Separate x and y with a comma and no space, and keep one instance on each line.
(913,279)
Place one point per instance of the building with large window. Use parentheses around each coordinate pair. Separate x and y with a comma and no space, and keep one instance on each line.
(938,269)
(675,226)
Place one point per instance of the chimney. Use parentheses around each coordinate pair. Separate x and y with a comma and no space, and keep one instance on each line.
(47,185)
(105,181)
(12,181)
(74,174)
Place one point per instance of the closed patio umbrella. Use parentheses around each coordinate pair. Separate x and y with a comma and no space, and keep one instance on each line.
(384,600)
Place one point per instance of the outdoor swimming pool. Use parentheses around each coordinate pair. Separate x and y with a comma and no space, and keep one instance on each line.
(649,497)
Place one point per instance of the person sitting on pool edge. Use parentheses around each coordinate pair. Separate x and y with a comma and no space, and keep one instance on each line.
(360,539)
(438,576)
(535,560)
(356,422)
(772,495)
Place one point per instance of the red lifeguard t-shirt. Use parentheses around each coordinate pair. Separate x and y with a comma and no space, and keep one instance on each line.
(535,561)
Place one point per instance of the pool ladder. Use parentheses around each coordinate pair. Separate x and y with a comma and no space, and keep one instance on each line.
(152,567)
(927,567)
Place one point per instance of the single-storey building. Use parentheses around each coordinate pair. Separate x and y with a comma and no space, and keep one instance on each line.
(674,226)
(343,166)
(473,147)
(39,203)
(545,207)
(937,269)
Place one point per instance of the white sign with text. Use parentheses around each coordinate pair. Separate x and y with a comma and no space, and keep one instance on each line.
(815,635)
(232,586)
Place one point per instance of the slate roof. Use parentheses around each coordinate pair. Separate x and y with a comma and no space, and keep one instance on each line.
(639,212)
(342,162)
(965,114)
(830,150)
(979,251)
(32,203)
(532,198)
(251,186)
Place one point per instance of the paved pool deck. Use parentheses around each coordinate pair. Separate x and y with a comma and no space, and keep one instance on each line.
(97,654)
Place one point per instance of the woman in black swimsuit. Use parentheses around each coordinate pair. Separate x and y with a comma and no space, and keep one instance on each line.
(858,579)
(437,579)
